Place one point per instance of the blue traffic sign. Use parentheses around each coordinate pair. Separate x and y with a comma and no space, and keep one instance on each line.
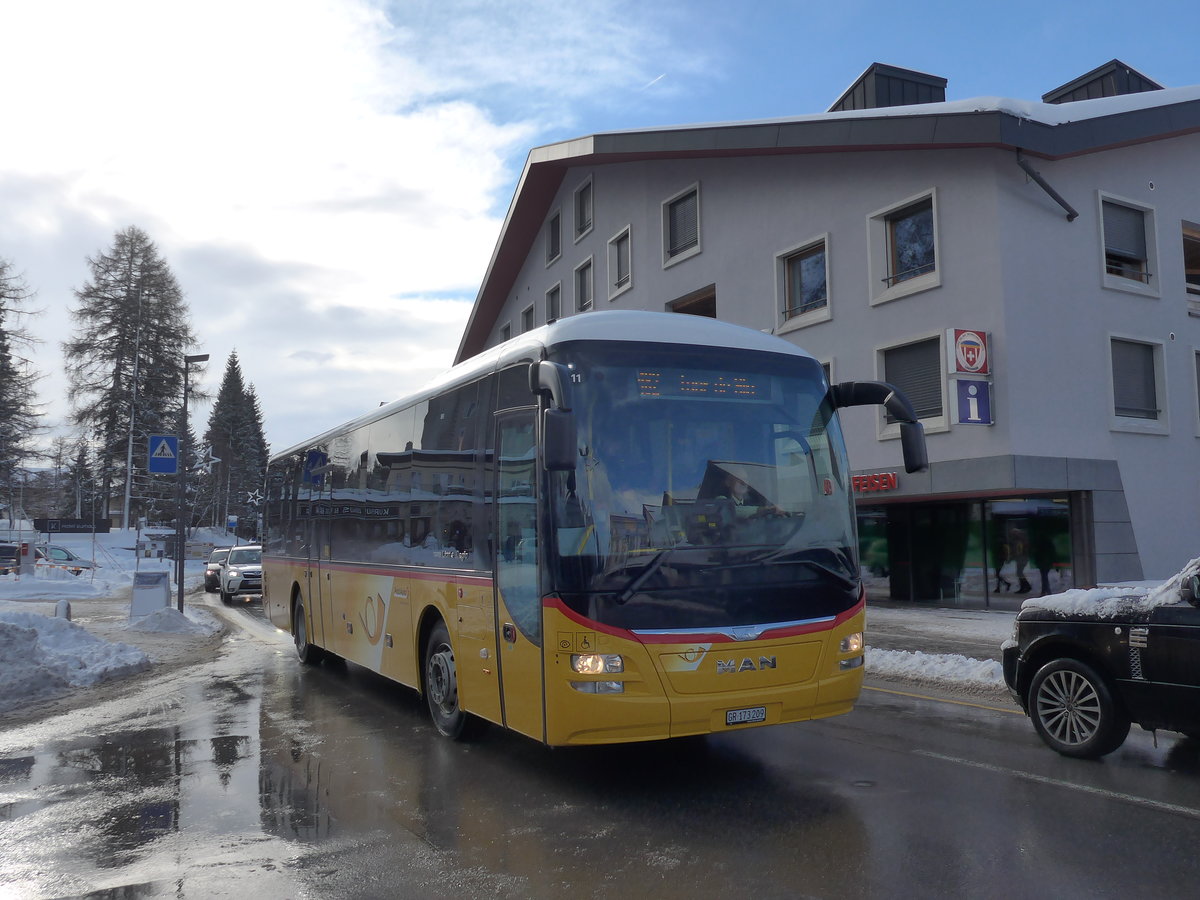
(164,455)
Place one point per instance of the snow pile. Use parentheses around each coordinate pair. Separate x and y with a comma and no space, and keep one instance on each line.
(42,657)
(925,667)
(169,620)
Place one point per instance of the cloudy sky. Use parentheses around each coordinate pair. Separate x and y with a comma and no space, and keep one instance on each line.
(327,178)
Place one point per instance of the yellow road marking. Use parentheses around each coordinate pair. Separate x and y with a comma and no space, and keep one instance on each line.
(1015,712)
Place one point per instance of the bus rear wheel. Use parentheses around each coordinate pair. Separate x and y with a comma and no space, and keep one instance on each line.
(308,653)
(441,688)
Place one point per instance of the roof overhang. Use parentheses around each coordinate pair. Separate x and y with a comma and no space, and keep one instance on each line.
(1035,129)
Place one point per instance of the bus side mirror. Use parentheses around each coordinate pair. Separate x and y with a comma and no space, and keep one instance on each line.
(912,445)
(890,397)
(559,440)
(552,380)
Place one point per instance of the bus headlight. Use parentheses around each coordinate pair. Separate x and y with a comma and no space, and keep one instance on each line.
(597,663)
(852,643)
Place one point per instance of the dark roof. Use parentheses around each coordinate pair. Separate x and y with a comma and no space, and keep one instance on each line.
(1034,129)
(1113,79)
(883,85)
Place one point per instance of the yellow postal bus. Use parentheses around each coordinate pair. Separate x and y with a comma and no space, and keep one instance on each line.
(621,526)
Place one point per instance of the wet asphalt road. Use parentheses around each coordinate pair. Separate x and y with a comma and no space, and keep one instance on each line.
(252,776)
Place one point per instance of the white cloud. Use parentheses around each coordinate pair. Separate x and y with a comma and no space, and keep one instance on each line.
(315,171)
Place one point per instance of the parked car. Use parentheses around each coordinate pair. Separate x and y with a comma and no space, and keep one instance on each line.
(10,557)
(1084,665)
(212,570)
(242,572)
(62,558)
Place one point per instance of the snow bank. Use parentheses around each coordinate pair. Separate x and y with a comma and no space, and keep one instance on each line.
(169,620)
(41,657)
(918,666)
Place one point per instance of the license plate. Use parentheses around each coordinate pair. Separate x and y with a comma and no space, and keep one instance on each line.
(742,716)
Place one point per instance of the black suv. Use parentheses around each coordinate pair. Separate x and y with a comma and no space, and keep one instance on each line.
(1084,665)
(10,557)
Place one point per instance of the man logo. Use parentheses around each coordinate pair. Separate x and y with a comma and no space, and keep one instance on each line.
(729,666)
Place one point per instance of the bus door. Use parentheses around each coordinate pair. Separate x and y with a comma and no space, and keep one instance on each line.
(319,585)
(518,598)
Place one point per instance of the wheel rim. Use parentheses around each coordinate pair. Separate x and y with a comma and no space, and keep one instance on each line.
(441,681)
(1069,707)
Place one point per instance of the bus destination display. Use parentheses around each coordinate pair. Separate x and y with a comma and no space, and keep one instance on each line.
(699,383)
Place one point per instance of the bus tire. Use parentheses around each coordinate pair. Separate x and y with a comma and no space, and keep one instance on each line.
(441,688)
(309,654)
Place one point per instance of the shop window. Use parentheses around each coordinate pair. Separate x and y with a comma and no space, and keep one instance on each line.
(681,225)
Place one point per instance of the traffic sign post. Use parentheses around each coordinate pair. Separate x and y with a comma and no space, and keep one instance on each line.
(163,458)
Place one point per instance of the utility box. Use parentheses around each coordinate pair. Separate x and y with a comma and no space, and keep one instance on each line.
(151,591)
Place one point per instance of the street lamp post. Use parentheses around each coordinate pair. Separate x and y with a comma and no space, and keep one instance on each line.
(180,528)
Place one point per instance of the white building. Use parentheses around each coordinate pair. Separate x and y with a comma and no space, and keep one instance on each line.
(1054,244)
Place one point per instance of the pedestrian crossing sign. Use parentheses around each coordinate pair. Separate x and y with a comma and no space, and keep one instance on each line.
(164,455)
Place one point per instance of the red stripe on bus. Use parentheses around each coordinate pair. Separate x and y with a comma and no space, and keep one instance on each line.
(710,637)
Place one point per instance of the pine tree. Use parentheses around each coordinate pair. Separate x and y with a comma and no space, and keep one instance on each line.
(235,434)
(125,363)
(20,416)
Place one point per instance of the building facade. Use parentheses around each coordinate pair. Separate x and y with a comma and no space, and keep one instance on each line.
(1028,272)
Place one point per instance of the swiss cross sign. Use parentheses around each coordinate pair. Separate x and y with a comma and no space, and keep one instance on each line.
(967,351)
(164,455)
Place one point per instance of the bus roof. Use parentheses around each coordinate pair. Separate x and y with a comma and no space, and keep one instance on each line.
(630,326)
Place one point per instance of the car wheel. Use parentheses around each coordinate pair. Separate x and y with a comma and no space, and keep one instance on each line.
(441,688)
(226,597)
(307,653)
(1074,711)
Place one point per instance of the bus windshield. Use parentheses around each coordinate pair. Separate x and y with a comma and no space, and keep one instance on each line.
(710,491)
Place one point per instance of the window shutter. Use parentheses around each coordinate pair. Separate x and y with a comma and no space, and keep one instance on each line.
(1134,392)
(1124,231)
(916,369)
(683,225)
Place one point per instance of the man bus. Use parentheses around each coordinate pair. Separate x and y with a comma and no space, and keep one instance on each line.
(544,538)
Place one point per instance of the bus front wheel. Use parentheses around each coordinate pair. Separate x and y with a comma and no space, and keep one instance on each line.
(308,653)
(441,688)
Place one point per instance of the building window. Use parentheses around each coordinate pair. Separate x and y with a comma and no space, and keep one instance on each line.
(1191,258)
(527,319)
(554,237)
(917,370)
(910,242)
(554,303)
(1135,380)
(904,248)
(1198,384)
(681,225)
(583,286)
(620,273)
(1125,242)
(1129,244)
(804,282)
(583,209)
(505,332)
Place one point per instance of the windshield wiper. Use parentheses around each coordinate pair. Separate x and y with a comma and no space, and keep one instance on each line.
(643,576)
(805,557)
